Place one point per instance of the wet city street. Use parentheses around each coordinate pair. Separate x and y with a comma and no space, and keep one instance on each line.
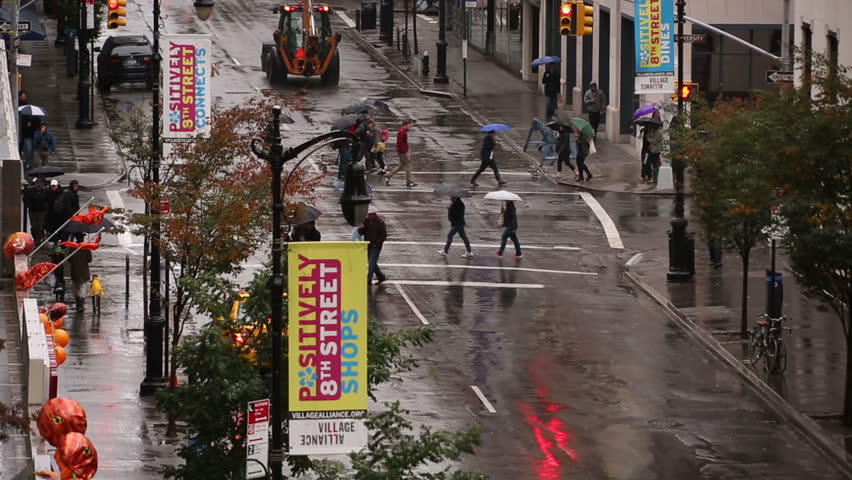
(568,369)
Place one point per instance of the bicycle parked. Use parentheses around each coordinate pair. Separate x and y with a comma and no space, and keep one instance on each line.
(767,344)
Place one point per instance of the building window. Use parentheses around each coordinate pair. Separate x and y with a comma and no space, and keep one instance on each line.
(832,54)
(807,51)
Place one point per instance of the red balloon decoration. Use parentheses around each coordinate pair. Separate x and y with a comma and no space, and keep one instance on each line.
(60,416)
(18,243)
(57,310)
(76,452)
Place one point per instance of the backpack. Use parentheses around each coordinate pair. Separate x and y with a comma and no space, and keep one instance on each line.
(385,134)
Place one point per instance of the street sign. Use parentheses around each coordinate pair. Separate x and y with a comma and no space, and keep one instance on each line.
(693,38)
(257,439)
(165,207)
(778,76)
(25,60)
(470,3)
(6,27)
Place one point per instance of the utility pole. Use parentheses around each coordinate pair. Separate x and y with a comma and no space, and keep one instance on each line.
(13,68)
(680,253)
(84,117)
(490,21)
(785,39)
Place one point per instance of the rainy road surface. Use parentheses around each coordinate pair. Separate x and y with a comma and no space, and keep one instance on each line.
(569,372)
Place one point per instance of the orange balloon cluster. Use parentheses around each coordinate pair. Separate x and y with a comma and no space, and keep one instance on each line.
(62,422)
(52,327)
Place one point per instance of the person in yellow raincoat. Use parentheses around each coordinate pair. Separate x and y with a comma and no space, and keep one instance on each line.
(96,292)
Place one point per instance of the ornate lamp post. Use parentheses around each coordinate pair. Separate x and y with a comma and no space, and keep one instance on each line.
(155,377)
(354,196)
(441,68)
(680,255)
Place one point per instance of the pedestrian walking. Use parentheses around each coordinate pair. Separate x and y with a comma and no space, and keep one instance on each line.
(306,232)
(486,160)
(583,147)
(54,218)
(655,148)
(374,231)
(551,80)
(647,172)
(714,247)
(567,148)
(69,206)
(44,142)
(403,153)
(380,136)
(344,157)
(29,126)
(80,275)
(363,131)
(96,292)
(509,221)
(455,212)
(595,101)
(37,201)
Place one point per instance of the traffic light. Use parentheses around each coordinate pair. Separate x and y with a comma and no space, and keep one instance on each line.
(566,14)
(585,15)
(686,92)
(117,14)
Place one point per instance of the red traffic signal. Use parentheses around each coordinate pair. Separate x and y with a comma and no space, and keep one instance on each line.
(566,13)
(685,91)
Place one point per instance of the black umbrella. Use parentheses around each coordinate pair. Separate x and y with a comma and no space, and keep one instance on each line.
(77,227)
(646,121)
(557,126)
(343,123)
(300,213)
(452,191)
(45,171)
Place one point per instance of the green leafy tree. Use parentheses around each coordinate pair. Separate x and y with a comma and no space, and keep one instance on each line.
(727,148)
(816,177)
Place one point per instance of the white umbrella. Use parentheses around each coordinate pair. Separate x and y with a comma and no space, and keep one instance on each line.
(32,110)
(502,195)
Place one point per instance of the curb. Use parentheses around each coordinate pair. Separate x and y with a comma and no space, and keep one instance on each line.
(805,426)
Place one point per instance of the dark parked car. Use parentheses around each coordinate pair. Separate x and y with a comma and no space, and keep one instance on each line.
(125,59)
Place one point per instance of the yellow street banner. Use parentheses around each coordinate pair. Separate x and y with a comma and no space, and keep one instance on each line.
(327,360)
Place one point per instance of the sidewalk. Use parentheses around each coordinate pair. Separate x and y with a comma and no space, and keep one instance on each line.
(494,95)
(813,383)
(86,155)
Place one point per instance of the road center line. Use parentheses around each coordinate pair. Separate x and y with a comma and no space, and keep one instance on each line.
(610,231)
(482,399)
(348,21)
(485,267)
(442,283)
(115,202)
(412,305)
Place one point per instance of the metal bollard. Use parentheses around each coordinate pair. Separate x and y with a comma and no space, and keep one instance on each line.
(424,67)
(126,279)
(398,46)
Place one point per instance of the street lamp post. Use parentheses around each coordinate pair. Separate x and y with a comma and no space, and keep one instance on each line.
(277,156)
(680,254)
(84,117)
(155,377)
(441,68)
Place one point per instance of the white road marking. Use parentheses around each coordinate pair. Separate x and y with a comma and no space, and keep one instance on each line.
(482,399)
(427,19)
(441,283)
(412,305)
(485,267)
(348,21)
(237,63)
(482,245)
(610,231)
(635,258)
(115,201)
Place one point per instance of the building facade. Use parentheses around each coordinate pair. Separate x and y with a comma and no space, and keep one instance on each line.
(821,27)
(721,65)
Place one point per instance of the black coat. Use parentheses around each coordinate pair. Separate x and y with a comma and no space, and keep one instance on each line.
(551,83)
(37,200)
(374,231)
(487,148)
(70,204)
(455,212)
(54,208)
(510,216)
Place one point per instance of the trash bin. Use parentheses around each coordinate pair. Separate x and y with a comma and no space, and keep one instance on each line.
(514,16)
(368,15)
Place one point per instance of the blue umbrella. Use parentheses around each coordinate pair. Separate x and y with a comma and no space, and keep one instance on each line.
(645,110)
(546,60)
(495,127)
